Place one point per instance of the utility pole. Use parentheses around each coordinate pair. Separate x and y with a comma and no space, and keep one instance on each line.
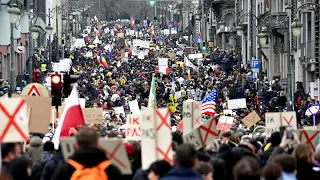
(57,34)
(50,46)
(12,59)
(30,44)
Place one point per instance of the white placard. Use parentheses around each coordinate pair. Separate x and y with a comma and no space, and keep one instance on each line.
(134,107)
(119,110)
(163,62)
(133,128)
(273,123)
(194,138)
(237,103)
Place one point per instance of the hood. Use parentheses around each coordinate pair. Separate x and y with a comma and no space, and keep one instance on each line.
(182,172)
(89,157)
(35,141)
(46,157)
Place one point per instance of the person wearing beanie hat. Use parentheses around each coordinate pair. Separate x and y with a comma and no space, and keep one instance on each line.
(158,169)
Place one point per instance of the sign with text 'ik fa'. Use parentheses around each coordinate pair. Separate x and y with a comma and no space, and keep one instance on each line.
(133,131)
(275,120)
(156,140)
(191,116)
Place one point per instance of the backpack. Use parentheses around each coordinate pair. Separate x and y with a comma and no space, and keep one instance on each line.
(83,173)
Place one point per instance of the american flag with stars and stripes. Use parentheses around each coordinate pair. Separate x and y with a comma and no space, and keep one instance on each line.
(209,104)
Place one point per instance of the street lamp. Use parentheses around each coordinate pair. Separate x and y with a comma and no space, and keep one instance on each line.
(263,37)
(296,27)
(49,29)
(221,25)
(239,30)
(14,13)
(34,33)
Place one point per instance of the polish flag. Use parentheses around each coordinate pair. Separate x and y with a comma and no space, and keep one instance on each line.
(225,123)
(71,117)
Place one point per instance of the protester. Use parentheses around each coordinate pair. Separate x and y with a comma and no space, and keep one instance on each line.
(88,154)
(158,169)
(9,152)
(19,169)
(205,170)
(185,161)
(34,149)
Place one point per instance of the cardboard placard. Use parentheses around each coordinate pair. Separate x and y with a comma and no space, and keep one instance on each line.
(309,137)
(40,115)
(224,123)
(14,120)
(251,119)
(191,116)
(275,120)
(133,131)
(209,131)
(194,138)
(114,149)
(172,55)
(93,115)
(156,140)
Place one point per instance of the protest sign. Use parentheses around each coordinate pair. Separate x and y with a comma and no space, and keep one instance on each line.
(133,131)
(251,119)
(172,55)
(119,110)
(275,120)
(113,148)
(227,112)
(163,61)
(148,139)
(309,137)
(134,107)
(224,123)
(81,100)
(40,113)
(163,132)
(194,138)
(208,131)
(273,123)
(14,120)
(237,103)
(191,116)
(93,115)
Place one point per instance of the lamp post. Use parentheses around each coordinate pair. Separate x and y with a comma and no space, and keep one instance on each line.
(49,30)
(14,14)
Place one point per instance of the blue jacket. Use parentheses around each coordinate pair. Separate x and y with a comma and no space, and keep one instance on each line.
(181,174)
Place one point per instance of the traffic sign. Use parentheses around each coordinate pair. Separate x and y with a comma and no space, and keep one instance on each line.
(35,89)
(255,64)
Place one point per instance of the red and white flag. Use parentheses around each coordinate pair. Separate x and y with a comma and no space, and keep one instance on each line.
(71,117)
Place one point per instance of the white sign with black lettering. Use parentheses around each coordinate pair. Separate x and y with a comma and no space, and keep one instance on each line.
(194,138)
(273,123)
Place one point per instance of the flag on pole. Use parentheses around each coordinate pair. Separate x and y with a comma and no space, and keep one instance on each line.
(209,104)
(71,117)
(152,103)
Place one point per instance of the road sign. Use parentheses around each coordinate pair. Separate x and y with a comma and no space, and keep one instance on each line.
(255,64)
(35,89)
(20,49)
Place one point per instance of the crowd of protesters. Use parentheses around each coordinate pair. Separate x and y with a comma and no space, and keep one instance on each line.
(239,154)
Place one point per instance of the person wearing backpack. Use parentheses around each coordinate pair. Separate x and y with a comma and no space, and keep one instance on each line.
(88,161)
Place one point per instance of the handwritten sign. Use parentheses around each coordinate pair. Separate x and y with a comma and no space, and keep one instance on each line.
(191,116)
(194,138)
(251,119)
(148,139)
(93,115)
(208,131)
(237,103)
(133,131)
(225,123)
(273,123)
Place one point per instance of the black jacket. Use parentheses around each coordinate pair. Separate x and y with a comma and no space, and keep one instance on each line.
(89,157)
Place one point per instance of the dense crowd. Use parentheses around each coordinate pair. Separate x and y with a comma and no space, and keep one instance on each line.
(108,80)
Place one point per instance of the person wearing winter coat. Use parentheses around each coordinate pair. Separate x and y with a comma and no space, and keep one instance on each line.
(186,160)
(89,154)
(34,149)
